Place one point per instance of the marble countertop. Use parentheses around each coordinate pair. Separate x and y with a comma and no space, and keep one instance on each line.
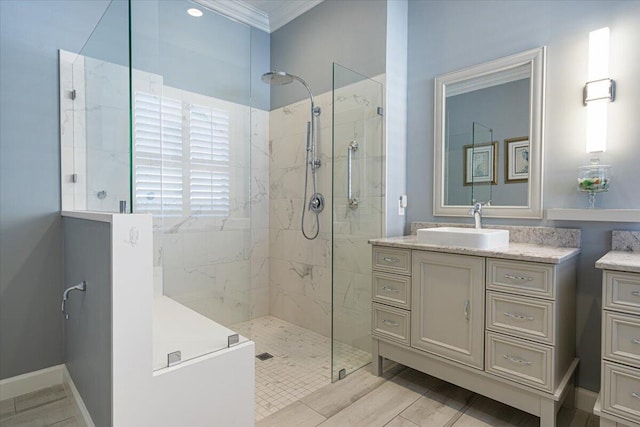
(515,251)
(620,261)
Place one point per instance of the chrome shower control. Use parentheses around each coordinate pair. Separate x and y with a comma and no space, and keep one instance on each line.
(316,203)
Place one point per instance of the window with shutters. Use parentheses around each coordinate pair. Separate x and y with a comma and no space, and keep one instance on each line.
(181,160)
(208,161)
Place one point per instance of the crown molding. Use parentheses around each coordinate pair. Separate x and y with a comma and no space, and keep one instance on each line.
(240,11)
(246,13)
(290,11)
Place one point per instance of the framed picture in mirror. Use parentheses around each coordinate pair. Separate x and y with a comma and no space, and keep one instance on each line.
(480,163)
(516,159)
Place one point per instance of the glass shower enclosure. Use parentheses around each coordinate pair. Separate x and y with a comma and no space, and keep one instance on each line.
(156,114)
(358,207)
(157,118)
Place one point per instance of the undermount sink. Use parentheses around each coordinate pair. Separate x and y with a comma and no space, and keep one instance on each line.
(464,237)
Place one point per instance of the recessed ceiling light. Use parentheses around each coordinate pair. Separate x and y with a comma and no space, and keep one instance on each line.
(194,12)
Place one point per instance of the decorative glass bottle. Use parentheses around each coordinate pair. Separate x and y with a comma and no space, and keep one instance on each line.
(594,179)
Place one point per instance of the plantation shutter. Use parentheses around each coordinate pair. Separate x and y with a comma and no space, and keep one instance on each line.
(209,161)
(158,155)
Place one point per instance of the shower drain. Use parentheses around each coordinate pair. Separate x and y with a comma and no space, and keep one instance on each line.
(264,356)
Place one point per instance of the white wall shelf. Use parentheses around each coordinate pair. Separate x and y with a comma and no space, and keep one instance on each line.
(608,215)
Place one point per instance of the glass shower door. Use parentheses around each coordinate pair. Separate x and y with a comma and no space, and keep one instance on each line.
(358,201)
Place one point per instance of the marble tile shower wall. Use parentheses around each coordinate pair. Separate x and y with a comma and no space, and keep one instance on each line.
(220,267)
(300,279)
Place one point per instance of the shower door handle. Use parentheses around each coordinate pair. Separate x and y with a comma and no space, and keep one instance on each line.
(353,146)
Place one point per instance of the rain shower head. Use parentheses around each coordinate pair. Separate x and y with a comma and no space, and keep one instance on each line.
(277,78)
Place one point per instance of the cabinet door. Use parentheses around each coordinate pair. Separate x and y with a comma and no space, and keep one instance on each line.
(447,306)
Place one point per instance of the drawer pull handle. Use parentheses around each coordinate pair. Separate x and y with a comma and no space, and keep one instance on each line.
(391,323)
(635,340)
(635,394)
(392,290)
(518,316)
(391,260)
(635,293)
(516,360)
(528,279)
(466,310)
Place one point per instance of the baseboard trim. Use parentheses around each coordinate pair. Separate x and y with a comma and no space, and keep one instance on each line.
(82,408)
(585,399)
(31,381)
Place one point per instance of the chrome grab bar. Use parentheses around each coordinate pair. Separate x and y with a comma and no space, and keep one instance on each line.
(353,146)
(82,286)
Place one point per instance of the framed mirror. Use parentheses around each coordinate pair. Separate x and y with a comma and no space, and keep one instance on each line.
(489,138)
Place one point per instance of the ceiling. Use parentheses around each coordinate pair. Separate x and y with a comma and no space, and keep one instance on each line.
(266,15)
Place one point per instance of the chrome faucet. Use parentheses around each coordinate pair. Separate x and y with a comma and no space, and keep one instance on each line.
(476,211)
(82,286)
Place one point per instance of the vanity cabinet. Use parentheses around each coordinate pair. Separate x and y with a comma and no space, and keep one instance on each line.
(620,380)
(500,327)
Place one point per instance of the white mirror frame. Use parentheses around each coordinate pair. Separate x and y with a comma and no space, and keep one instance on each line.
(536,60)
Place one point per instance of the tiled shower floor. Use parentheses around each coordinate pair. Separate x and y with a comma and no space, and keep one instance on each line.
(301,362)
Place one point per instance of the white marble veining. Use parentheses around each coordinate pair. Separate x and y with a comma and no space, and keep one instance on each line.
(628,241)
(547,236)
(300,280)
(515,251)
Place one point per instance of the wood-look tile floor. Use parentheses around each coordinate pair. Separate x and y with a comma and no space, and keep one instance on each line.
(52,406)
(404,397)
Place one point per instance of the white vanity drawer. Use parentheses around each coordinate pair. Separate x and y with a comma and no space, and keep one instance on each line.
(520,316)
(393,260)
(390,323)
(622,338)
(523,278)
(621,391)
(520,360)
(392,289)
(621,291)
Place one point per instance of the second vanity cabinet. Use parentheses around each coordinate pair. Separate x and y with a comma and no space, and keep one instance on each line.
(500,327)
(619,399)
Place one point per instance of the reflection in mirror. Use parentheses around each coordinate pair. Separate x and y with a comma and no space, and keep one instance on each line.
(488,145)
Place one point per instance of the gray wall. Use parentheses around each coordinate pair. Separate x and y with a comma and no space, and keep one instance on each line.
(31,32)
(446,36)
(87,332)
(351,33)
(396,113)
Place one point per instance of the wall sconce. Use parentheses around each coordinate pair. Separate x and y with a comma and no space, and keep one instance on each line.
(597,93)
